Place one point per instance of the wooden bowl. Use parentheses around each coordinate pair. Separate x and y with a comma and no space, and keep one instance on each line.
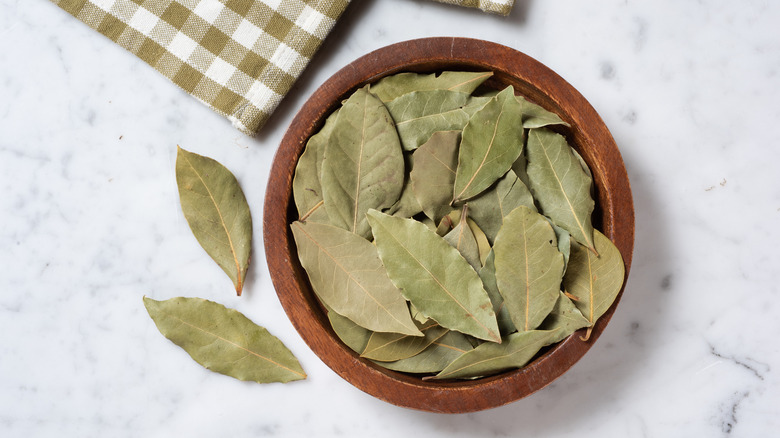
(614,216)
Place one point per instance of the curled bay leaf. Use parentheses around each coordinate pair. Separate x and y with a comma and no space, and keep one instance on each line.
(534,116)
(560,185)
(564,319)
(492,141)
(490,207)
(223,340)
(462,238)
(595,280)
(217,213)
(419,114)
(435,357)
(388,347)
(434,276)
(489,358)
(488,276)
(434,173)
(307,190)
(347,275)
(483,245)
(529,267)
(364,165)
(391,87)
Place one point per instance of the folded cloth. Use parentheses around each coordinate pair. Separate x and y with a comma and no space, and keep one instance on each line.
(501,7)
(239,57)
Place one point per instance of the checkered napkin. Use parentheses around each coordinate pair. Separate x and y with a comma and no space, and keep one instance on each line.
(240,57)
(501,7)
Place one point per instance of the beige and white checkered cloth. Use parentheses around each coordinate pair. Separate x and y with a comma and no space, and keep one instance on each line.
(240,57)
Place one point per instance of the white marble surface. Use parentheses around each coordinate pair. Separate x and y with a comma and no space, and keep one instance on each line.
(90,222)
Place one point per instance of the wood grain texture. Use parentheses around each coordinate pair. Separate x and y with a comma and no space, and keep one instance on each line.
(614,216)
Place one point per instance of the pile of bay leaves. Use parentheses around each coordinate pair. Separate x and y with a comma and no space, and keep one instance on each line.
(447,229)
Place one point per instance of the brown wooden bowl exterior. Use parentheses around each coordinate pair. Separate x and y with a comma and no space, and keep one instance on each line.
(614,216)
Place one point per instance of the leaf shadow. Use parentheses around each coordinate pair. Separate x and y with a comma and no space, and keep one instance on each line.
(607,372)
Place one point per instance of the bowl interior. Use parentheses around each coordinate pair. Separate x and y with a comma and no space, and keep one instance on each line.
(613,215)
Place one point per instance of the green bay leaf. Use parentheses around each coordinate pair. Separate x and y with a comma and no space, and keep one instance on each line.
(534,116)
(392,87)
(434,276)
(364,165)
(489,358)
(462,238)
(595,280)
(560,185)
(488,276)
(434,173)
(351,334)
(347,275)
(389,347)
(419,114)
(483,245)
(434,358)
(489,208)
(217,213)
(564,319)
(492,141)
(529,267)
(307,189)
(223,340)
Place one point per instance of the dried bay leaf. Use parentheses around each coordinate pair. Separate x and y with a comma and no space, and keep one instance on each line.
(564,243)
(492,141)
(217,213)
(389,347)
(364,165)
(307,190)
(223,340)
(434,276)
(529,267)
(462,238)
(534,116)
(434,358)
(483,245)
(489,358)
(351,334)
(564,319)
(347,275)
(392,87)
(490,207)
(488,276)
(433,173)
(419,114)
(594,279)
(560,185)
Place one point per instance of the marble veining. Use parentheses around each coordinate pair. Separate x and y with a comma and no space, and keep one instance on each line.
(90,223)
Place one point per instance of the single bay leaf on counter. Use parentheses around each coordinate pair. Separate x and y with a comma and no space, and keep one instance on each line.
(223,340)
(364,165)
(434,358)
(564,319)
(307,190)
(488,276)
(489,208)
(529,268)
(492,141)
(389,347)
(419,114)
(560,185)
(489,358)
(534,116)
(434,276)
(594,279)
(434,173)
(462,238)
(392,87)
(347,275)
(217,213)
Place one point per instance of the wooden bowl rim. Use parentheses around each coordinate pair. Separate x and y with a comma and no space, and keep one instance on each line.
(533,80)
